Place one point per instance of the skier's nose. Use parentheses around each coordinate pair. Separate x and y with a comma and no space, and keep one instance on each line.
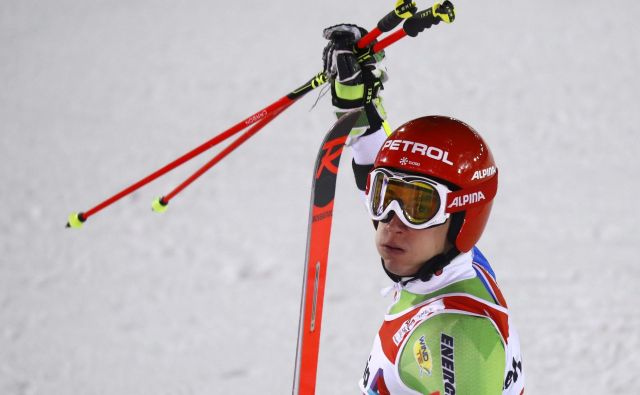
(394,224)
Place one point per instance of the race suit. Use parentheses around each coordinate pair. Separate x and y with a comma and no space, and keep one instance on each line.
(449,335)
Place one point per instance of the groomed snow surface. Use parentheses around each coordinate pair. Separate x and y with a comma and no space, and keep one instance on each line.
(204,299)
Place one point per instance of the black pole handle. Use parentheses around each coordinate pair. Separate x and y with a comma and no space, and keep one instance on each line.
(429,17)
(389,21)
(404,9)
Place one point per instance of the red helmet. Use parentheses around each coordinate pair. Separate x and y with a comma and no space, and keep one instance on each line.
(450,152)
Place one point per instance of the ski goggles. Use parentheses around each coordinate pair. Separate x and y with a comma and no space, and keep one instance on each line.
(419,202)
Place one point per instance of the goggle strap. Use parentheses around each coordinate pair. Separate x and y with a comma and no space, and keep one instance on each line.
(466,198)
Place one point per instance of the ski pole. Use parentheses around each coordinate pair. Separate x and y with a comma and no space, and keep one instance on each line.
(388,22)
(417,23)
(160,204)
(76,219)
(404,9)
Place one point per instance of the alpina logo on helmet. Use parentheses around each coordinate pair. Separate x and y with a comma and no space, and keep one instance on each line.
(480,174)
(463,200)
(423,149)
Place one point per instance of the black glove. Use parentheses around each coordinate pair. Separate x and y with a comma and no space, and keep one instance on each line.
(339,57)
(355,74)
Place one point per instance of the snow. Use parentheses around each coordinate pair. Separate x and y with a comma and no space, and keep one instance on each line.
(204,298)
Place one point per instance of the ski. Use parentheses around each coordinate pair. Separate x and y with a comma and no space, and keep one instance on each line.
(318,239)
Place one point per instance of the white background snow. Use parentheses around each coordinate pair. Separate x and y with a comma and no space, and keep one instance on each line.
(204,299)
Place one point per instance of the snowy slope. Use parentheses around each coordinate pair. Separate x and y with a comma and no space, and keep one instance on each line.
(204,299)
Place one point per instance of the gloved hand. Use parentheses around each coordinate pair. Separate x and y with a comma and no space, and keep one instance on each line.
(338,57)
(356,76)
(351,70)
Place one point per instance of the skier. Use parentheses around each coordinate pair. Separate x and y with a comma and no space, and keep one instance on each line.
(428,187)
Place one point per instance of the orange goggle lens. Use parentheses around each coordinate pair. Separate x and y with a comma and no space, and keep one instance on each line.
(419,200)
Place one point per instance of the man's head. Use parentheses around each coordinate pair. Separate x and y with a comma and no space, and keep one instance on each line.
(435,176)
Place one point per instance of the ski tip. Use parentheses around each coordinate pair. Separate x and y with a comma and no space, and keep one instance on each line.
(75,220)
(159,205)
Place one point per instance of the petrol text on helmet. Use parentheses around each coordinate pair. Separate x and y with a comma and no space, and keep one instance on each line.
(423,149)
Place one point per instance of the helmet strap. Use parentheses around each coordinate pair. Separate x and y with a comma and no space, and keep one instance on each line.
(457,219)
(435,264)
(394,277)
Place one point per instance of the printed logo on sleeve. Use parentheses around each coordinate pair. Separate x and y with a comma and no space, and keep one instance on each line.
(424,313)
(512,376)
(422,354)
(366,374)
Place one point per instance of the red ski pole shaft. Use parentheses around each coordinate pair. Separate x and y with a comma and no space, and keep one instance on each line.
(318,80)
(390,39)
(222,154)
(369,37)
(77,219)
(273,108)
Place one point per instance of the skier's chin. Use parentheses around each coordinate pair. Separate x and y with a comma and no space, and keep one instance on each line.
(398,267)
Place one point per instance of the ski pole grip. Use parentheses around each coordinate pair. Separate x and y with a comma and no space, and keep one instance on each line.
(420,21)
(429,17)
(389,21)
(404,9)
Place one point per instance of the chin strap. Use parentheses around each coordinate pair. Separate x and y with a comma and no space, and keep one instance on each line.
(427,270)
(394,277)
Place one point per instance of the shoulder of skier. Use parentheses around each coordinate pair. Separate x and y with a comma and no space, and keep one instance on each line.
(454,353)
